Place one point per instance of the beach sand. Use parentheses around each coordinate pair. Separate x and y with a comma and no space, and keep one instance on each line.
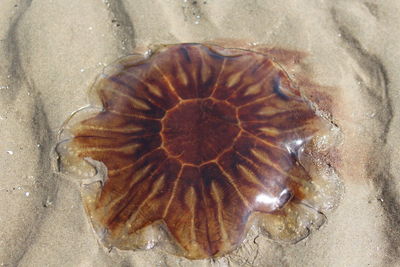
(51,52)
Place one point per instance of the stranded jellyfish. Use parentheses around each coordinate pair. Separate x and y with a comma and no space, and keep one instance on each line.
(198,143)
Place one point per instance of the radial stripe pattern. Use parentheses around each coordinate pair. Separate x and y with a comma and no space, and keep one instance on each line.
(197,138)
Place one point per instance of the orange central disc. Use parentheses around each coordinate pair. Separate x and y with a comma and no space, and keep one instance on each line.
(197,131)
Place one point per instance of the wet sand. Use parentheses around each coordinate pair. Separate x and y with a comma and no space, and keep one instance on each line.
(53,50)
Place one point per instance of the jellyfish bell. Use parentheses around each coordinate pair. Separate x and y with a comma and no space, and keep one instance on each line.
(192,141)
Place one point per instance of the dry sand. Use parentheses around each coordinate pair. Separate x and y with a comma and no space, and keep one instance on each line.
(51,51)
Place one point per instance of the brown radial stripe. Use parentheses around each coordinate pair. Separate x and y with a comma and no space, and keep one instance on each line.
(164,95)
(180,223)
(218,195)
(122,179)
(256,87)
(206,222)
(140,100)
(266,140)
(169,88)
(136,192)
(156,205)
(230,162)
(185,74)
(217,79)
(139,195)
(231,79)
(114,158)
(108,124)
(230,210)
(137,104)
(142,81)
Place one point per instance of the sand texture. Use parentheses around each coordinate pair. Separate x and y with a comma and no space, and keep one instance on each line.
(51,51)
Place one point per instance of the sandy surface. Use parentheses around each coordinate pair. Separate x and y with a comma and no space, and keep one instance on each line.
(51,51)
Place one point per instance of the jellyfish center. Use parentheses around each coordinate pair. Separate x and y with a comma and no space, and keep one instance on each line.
(197,131)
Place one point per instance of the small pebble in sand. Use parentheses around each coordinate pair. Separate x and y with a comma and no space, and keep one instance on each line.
(10,152)
(27,194)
